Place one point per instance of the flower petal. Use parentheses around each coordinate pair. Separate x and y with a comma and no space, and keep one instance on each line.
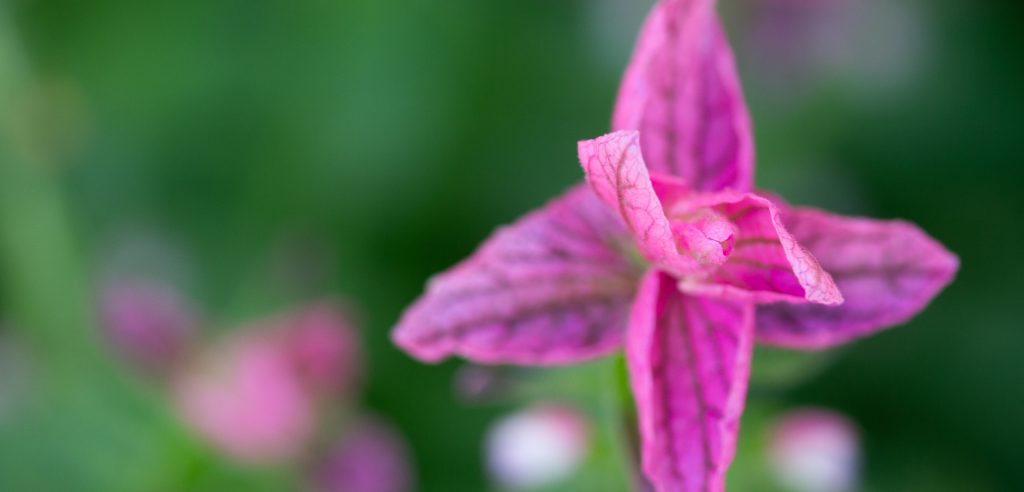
(689,361)
(766,264)
(553,288)
(888,270)
(616,171)
(682,92)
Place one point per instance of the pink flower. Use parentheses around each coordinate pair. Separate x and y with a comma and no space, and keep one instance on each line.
(537,447)
(724,265)
(255,395)
(815,450)
(370,457)
(247,400)
(324,348)
(148,324)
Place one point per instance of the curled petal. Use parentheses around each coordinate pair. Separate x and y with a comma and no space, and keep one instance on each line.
(682,92)
(765,263)
(888,272)
(553,288)
(689,361)
(616,171)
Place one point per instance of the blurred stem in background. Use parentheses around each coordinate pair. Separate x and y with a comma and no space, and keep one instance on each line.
(44,284)
(81,404)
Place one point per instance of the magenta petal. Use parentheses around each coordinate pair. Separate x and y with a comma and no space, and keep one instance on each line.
(689,361)
(765,263)
(616,171)
(888,272)
(682,93)
(553,288)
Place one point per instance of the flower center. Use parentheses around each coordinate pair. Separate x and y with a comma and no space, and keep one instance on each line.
(707,234)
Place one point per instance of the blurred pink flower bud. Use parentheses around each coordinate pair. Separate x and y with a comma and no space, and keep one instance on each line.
(247,400)
(148,324)
(257,394)
(537,447)
(324,347)
(816,450)
(370,457)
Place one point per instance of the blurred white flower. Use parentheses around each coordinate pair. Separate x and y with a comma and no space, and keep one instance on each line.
(815,450)
(537,447)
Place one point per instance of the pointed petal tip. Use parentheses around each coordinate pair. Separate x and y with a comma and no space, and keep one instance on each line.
(888,270)
(828,295)
(553,288)
(403,338)
(584,147)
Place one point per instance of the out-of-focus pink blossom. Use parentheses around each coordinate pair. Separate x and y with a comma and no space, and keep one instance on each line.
(147,323)
(369,457)
(246,398)
(324,347)
(256,395)
(815,450)
(537,447)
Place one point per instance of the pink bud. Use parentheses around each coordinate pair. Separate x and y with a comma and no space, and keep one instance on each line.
(816,450)
(537,447)
(148,324)
(370,457)
(324,347)
(247,400)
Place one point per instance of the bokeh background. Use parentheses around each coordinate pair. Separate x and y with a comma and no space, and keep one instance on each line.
(260,154)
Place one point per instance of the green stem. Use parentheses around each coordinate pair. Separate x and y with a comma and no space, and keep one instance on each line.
(624,421)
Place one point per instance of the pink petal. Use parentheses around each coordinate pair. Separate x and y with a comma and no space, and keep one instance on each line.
(682,93)
(689,360)
(616,171)
(888,272)
(553,288)
(765,263)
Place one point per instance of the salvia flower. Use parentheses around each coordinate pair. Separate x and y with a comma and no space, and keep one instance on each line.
(724,265)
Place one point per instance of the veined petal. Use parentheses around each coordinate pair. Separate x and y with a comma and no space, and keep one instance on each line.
(682,92)
(689,362)
(616,171)
(766,264)
(552,288)
(888,270)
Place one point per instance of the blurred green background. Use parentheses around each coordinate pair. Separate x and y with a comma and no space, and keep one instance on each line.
(371,144)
